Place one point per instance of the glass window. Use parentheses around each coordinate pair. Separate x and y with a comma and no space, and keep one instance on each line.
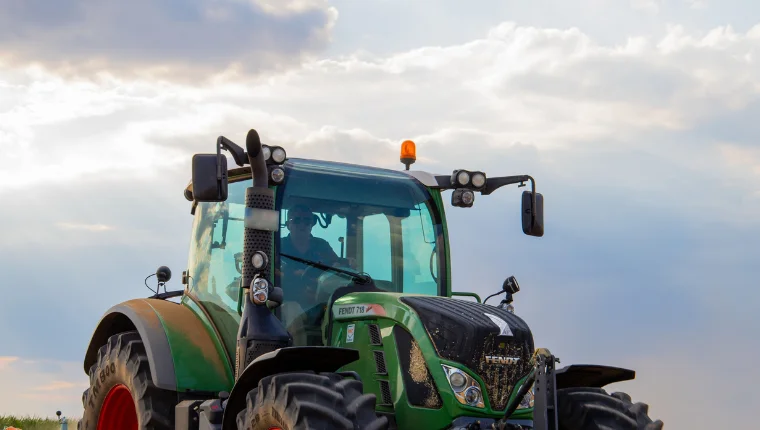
(362,220)
(215,260)
(376,243)
(375,222)
(420,256)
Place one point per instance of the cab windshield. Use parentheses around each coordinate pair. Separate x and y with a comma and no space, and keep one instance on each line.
(379,223)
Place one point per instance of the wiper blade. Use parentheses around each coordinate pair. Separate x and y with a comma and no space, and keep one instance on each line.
(360,278)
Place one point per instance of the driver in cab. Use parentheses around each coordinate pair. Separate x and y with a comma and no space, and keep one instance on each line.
(300,242)
(299,280)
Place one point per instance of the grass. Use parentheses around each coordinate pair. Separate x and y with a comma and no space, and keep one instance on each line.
(33,423)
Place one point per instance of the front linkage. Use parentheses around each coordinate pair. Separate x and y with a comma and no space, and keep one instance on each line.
(545,394)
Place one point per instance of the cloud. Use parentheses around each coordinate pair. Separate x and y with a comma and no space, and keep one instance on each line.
(41,387)
(172,39)
(645,152)
(649,6)
(6,362)
(697,4)
(86,227)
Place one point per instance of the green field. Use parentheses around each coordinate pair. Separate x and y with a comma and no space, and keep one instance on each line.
(33,423)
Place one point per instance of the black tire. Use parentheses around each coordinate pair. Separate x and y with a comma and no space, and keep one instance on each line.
(594,409)
(305,400)
(123,361)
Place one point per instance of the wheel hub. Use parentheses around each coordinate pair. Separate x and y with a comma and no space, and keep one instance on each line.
(118,411)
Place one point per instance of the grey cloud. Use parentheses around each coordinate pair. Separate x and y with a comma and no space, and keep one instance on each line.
(75,275)
(195,37)
(608,79)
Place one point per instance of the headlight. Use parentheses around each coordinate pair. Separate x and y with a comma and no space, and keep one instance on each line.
(278,175)
(278,155)
(527,400)
(478,179)
(266,152)
(466,389)
(463,178)
(259,260)
(468,197)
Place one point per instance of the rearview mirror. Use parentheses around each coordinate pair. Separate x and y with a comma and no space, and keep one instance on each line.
(532,225)
(209,178)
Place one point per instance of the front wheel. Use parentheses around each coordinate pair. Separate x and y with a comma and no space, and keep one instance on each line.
(305,400)
(594,409)
(121,394)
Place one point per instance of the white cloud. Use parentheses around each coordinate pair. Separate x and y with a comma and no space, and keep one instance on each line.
(649,6)
(6,362)
(544,87)
(615,135)
(86,227)
(41,387)
(697,4)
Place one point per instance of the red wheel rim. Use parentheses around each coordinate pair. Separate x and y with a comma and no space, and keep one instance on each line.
(118,412)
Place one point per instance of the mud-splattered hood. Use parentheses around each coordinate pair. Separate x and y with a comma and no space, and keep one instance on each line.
(492,342)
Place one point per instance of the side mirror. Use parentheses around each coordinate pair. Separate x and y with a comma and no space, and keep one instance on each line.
(209,178)
(532,218)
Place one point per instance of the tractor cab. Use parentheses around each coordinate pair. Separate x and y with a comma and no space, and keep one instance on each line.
(382,223)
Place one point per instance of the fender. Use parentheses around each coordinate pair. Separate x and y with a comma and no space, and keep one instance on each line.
(290,359)
(183,355)
(591,375)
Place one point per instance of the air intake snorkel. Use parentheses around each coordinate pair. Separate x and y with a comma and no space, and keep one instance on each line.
(260,331)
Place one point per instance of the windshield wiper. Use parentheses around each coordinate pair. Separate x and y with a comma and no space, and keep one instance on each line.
(359,278)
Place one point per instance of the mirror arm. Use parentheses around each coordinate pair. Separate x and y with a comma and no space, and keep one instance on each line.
(492,184)
(238,153)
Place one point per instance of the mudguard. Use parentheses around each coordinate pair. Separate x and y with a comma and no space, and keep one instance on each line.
(291,359)
(591,375)
(182,353)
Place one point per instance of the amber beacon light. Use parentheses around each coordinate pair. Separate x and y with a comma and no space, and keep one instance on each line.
(408,153)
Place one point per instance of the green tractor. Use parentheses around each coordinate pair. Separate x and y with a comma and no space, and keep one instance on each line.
(318,296)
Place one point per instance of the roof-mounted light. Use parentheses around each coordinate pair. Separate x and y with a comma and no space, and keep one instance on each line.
(478,180)
(278,155)
(408,153)
(463,198)
(266,152)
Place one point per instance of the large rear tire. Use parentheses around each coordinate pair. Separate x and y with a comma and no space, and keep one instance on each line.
(305,400)
(121,394)
(594,409)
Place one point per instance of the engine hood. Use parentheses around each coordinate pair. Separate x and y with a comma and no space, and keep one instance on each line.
(494,343)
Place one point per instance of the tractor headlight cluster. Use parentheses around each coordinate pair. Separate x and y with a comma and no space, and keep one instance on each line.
(466,183)
(466,389)
(274,154)
(465,178)
(259,291)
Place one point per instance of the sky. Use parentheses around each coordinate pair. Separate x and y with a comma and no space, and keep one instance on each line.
(637,118)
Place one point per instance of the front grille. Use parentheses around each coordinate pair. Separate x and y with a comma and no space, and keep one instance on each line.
(462,332)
